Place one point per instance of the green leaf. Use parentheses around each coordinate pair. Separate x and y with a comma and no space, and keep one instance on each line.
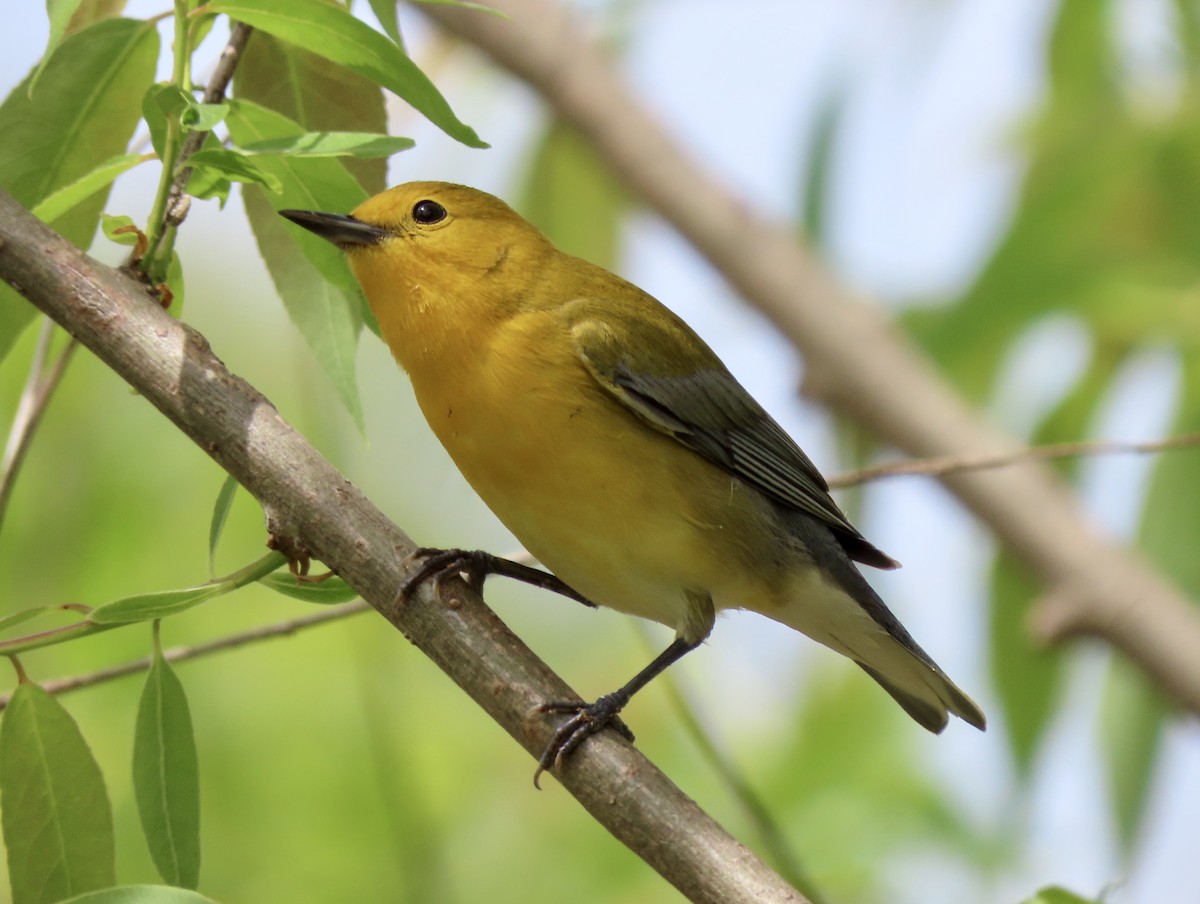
(1081,54)
(1056,895)
(201,26)
(325,313)
(162,103)
(321,295)
(571,196)
(166,776)
(307,183)
(1026,678)
(1170,520)
(817,180)
(462,4)
(19,618)
(1132,721)
(142,894)
(82,112)
(148,606)
(332,32)
(60,202)
(204,184)
(331,144)
(220,514)
(202,117)
(1187,28)
(56,816)
(385,12)
(60,13)
(207,183)
(329,592)
(317,95)
(119,229)
(174,281)
(234,166)
(90,11)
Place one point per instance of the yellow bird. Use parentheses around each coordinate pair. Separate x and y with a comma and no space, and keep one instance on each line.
(615,445)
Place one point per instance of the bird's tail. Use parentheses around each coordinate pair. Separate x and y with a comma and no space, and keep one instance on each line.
(928,696)
(834,604)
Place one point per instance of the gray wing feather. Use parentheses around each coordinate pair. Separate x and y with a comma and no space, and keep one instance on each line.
(711,413)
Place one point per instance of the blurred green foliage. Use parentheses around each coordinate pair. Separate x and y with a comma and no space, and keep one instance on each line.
(1105,233)
(339,764)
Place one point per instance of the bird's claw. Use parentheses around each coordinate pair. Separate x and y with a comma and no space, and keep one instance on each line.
(440,562)
(585,721)
(475,565)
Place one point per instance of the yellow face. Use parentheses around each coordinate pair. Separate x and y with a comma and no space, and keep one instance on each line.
(451,263)
(440,231)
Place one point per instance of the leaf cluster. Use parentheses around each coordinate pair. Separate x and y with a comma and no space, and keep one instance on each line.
(305,126)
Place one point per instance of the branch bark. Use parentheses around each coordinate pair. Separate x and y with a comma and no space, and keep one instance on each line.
(855,359)
(309,503)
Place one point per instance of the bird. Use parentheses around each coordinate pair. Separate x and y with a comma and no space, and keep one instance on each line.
(615,445)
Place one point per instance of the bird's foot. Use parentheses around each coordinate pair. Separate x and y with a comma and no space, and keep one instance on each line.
(474,565)
(586,719)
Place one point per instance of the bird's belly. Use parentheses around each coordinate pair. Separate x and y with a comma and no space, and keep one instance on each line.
(625,515)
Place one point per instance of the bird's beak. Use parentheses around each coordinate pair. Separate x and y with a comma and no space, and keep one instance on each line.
(344,231)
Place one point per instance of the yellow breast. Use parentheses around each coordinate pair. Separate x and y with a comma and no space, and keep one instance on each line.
(606,503)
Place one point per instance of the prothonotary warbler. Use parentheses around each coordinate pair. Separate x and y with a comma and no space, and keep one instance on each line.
(615,445)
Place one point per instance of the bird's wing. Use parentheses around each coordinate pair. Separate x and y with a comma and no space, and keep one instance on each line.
(707,410)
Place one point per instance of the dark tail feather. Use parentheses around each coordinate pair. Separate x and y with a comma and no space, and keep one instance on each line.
(928,715)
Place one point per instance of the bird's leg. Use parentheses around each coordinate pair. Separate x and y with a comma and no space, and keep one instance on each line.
(589,718)
(475,565)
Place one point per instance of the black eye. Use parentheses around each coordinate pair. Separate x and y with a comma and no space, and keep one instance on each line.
(428,212)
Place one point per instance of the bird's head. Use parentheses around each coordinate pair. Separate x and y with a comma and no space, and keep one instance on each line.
(432,243)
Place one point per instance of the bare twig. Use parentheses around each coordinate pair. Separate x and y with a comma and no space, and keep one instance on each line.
(957,464)
(179,654)
(855,359)
(307,500)
(36,395)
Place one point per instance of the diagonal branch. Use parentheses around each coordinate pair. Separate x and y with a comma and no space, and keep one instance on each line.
(314,508)
(856,360)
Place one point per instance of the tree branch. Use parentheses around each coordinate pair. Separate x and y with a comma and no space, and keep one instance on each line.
(309,503)
(856,360)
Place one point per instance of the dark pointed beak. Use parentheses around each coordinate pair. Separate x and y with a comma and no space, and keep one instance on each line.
(344,231)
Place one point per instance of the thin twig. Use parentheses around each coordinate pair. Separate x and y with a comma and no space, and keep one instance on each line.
(955,464)
(39,388)
(214,93)
(179,654)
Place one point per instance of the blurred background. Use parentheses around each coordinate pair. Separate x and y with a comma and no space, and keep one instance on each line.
(1016,179)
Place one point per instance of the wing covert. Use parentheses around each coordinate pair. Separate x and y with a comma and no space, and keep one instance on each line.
(712,414)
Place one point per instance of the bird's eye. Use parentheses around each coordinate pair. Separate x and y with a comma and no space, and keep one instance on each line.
(428,212)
